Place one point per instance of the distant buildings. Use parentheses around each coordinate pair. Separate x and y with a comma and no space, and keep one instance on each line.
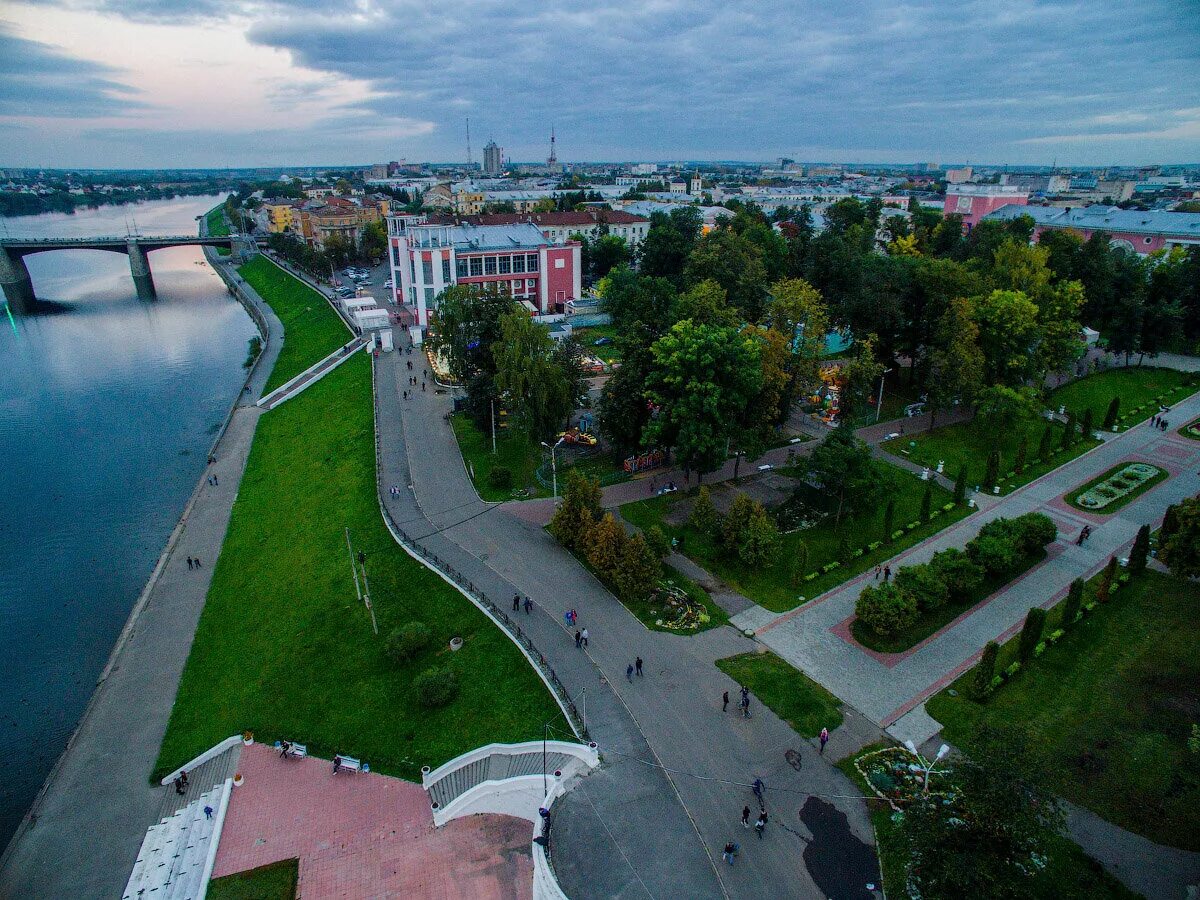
(557,227)
(974,201)
(1141,232)
(517,260)
(644,169)
(493,159)
(315,221)
(959,176)
(1037,184)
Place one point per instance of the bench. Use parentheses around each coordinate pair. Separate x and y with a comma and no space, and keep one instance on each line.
(293,751)
(349,764)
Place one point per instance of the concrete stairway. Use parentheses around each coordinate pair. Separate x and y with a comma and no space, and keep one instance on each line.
(171,862)
(495,767)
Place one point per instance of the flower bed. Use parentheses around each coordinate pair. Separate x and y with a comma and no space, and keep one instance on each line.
(676,609)
(895,776)
(1116,486)
(1191,430)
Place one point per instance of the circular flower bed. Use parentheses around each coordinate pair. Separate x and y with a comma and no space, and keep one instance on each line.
(1119,484)
(675,609)
(895,776)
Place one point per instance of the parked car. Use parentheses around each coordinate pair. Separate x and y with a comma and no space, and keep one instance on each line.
(601,341)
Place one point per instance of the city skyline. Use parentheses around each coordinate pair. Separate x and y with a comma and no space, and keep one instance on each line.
(260,84)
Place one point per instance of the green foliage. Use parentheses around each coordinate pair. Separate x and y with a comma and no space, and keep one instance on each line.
(960,486)
(1002,409)
(1022,450)
(1002,543)
(1107,579)
(1072,603)
(992,473)
(704,516)
(1180,550)
(1045,446)
(579,510)
(500,477)
(405,643)
(790,694)
(885,608)
(1068,437)
(1031,632)
(960,574)
(531,376)
(985,671)
(638,571)
(842,465)
(926,502)
(1114,409)
(436,687)
(925,585)
(658,542)
(1086,425)
(799,562)
(468,326)
(1140,551)
(606,545)
(759,543)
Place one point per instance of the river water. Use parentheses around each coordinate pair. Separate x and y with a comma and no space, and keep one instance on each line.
(108,406)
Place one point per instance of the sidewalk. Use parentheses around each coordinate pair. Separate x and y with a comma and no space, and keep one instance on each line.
(632,828)
(82,835)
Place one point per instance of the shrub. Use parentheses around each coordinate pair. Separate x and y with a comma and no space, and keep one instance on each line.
(500,478)
(886,609)
(658,542)
(1104,588)
(1087,426)
(912,526)
(436,687)
(874,545)
(958,572)
(1044,446)
(897,534)
(1055,636)
(1040,648)
(704,517)
(1031,633)
(810,576)
(1022,451)
(1068,437)
(1072,603)
(639,570)
(992,472)
(985,669)
(737,520)
(407,641)
(946,507)
(925,585)
(926,501)
(1034,532)
(1141,549)
(758,543)
(960,486)
(1012,670)
(994,553)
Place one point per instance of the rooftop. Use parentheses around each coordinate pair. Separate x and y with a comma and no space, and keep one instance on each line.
(1106,218)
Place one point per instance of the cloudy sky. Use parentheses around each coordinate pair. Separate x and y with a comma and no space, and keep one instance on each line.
(319,82)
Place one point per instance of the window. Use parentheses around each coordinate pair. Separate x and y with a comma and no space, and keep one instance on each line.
(489,265)
(395,254)
(518,263)
(505,263)
(560,263)
(1149,240)
(531,264)
(412,266)
(427,269)
(476,265)
(461,265)
(428,297)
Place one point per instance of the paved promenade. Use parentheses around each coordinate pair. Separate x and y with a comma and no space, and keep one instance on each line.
(884,687)
(82,835)
(653,820)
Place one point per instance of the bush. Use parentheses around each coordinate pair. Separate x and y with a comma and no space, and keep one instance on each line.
(1034,532)
(1031,633)
(436,687)
(992,472)
(1072,603)
(985,678)
(960,487)
(897,534)
(658,542)
(924,584)
(946,507)
(500,478)
(886,609)
(959,573)
(407,641)
(704,517)
(993,553)
(1012,670)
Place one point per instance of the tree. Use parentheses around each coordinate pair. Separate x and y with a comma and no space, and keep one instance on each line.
(701,378)
(373,243)
(468,324)
(799,563)
(1068,437)
(991,474)
(958,572)
(990,838)
(608,251)
(1114,409)
(925,585)
(1107,578)
(889,520)
(704,517)
(706,304)
(606,546)
(1072,603)
(639,570)
(531,376)
(1031,632)
(957,363)
(859,377)
(797,311)
(1180,550)
(758,546)
(1004,410)
(664,251)
(1022,454)
(1008,336)
(927,501)
(1086,425)
(960,486)
(1140,551)
(985,671)
(736,264)
(578,511)
(885,609)
(1045,445)
(658,542)
(843,467)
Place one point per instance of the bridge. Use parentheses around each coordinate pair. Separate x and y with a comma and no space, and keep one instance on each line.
(18,286)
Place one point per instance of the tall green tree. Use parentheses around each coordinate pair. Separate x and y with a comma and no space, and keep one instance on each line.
(843,467)
(957,363)
(467,326)
(530,376)
(1180,550)
(735,263)
(607,252)
(1008,336)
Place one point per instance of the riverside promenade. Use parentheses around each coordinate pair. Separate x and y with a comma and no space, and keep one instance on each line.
(81,836)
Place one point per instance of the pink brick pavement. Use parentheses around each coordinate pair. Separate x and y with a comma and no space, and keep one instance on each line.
(366,836)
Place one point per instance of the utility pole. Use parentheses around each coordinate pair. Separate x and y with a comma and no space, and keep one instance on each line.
(362,561)
(493,403)
(353,567)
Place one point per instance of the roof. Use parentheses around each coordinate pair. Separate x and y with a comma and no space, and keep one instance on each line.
(1106,218)
(565,219)
(467,237)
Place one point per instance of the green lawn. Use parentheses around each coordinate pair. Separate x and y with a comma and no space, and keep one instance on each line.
(1140,390)
(1191,430)
(276,881)
(588,335)
(1112,704)
(312,330)
(285,649)
(217,225)
(1070,874)
(1073,496)
(787,691)
(512,452)
(930,622)
(773,587)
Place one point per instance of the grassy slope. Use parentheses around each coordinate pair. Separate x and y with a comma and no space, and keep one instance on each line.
(772,587)
(787,691)
(284,648)
(312,330)
(1112,704)
(276,881)
(217,226)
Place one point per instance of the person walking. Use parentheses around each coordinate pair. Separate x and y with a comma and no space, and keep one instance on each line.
(824,737)
(189,564)
(578,640)
(759,787)
(760,824)
(216,482)
(528,606)
(196,560)
(745,816)
(878,572)
(585,636)
(638,665)
(629,673)
(208,811)
(746,707)
(887,573)
(516,602)
(730,851)
(725,701)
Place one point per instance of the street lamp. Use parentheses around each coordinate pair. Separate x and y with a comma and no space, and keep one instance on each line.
(554,464)
(924,763)
(879,405)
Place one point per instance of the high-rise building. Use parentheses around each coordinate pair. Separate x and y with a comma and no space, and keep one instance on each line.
(493,159)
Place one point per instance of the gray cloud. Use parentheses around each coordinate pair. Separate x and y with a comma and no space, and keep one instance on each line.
(39,80)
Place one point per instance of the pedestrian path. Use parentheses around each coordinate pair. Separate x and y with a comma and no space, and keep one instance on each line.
(816,638)
(311,375)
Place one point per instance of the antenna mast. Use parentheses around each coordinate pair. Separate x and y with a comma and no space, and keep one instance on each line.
(468,142)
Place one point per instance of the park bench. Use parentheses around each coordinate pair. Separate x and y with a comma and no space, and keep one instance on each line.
(294,750)
(349,764)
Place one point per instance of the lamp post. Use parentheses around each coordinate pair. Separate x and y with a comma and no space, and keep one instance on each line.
(879,405)
(554,464)
(924,763)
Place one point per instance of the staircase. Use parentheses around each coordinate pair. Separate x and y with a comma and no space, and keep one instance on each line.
(495,767)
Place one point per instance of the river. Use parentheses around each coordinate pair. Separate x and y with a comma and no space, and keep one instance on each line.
(108,406)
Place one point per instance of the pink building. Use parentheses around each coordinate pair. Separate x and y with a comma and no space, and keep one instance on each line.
(515,259)
(1140,231)
(974,201)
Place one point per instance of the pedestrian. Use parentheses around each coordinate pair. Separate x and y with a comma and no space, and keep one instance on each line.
(745,707)
(759,787)
(183,777)
(1154,421)
(745,692)
(516,602)
(189,563)
(284,747)
(208,811)
(197,562)
(528,606)
(1164,424)
(337,764)
(760,824)
(745,816)
(878,572)
(824,739)
(629,673)
(729,852)
(585,636)
(638,664)
(216,482)
(578,640)
(179,786)
(887,574)
(725,701)
(422,386)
